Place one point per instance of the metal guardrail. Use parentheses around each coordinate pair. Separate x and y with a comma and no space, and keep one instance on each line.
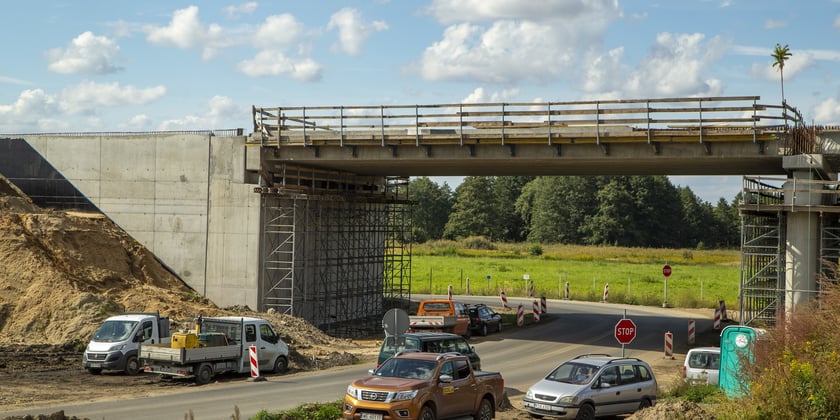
(739,118)
(225,132)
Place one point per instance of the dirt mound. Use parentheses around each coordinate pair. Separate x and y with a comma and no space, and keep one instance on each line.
(673,410)
(62,273)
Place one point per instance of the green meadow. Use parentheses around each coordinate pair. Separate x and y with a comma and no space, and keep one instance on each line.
(699,278)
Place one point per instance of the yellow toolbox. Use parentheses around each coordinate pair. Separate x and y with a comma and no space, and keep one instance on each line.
(184,340)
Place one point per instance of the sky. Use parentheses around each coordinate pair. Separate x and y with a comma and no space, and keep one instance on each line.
(113,65)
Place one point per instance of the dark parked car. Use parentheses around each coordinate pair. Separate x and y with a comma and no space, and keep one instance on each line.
(483,319)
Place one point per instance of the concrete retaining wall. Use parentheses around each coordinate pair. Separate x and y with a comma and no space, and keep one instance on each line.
(186,197)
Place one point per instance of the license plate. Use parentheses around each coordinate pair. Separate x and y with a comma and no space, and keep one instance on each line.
(545,407)
(95,365)
(370,416)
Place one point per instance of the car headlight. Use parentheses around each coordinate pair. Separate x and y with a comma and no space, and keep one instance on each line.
(529,394)
(352,391)
(117,347)
(570,399)
(405,395)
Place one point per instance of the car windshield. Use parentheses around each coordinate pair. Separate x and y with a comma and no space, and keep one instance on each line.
(573,373)
(704,360)
(407,368)
(114,331)
(392,344)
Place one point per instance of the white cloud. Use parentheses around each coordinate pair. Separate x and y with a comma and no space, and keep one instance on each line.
(278,32)
(827,112)
(234,12)
(29,112)
(139,122)
(479,95)
(775,24)
(451,11)
(352,30)
(796,64)
(678,65)
(540,42)
(89,96)
(14,81)
(87,53)
(186,30)
(220,108)
(837,22)
(275,63)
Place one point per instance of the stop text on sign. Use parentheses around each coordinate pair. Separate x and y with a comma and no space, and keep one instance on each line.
(625,331)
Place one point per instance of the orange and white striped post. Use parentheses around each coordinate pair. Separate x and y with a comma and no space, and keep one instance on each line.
(543,307)
(504,299)
(669,345)
(255,364)
(606,292)
(717,319)
(520,316)
(691,330)
(536,311)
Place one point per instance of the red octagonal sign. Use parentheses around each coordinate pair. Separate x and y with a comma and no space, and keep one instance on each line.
(625,331)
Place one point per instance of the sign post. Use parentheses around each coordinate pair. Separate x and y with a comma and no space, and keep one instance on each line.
(625,332)
(666,271)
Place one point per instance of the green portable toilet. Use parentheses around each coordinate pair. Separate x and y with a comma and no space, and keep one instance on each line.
(737,342)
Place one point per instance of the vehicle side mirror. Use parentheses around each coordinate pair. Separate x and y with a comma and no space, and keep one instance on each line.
(138,338)
(371,371)
(472,349)
(445,378)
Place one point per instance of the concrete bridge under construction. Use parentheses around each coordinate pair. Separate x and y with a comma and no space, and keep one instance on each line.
(309,213)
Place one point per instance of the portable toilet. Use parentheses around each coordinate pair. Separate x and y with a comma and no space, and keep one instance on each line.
(737,343)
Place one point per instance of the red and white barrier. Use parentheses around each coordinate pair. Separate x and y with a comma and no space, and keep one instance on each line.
(504,299)
(536,311)
(449,291)
(723,315)
(543,308)
(669,345)
(717,319)
(255,365)
(606,292)
(567,295)
(520,316)
(691,331)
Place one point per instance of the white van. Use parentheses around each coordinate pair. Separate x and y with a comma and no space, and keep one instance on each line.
(114,346)
(702,365)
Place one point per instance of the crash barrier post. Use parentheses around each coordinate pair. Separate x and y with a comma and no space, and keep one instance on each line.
(255,365)
(669,345)
(536,311)
(723,315)
(504,299)
(467,292)
(543,308)
(449,291)
(606,292)
(520,316)
(566,296)
(717,319)
(691,328)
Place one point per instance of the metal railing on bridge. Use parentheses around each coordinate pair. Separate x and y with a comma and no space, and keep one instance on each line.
(738,118)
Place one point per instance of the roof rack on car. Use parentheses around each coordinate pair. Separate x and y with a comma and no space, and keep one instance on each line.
(593,355)
(401,352)
(447,354)
(618,359)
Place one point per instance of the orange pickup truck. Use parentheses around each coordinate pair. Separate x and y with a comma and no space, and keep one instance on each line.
(441,315)
(424,386)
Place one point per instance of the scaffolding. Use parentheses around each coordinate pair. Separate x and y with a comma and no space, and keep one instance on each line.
(333,247)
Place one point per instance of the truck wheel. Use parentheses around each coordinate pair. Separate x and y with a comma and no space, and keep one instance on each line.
(485,410)
(281,364)
(204,374)
(426,413)
(132,366)
(95,371)
(586,412)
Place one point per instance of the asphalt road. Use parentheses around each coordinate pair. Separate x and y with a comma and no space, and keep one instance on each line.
(523,355)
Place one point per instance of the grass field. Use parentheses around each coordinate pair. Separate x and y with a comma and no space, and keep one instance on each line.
(699,278)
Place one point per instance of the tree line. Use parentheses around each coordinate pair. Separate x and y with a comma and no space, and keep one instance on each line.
(632,211)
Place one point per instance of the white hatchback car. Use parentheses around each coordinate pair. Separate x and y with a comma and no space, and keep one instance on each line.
(702,365)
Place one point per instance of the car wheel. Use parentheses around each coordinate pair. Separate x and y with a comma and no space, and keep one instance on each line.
(586,412)
(484,329)
(644,404)
(499,327)
(204,375)
(426,413)
(132,366)
(281,364)
(485,410)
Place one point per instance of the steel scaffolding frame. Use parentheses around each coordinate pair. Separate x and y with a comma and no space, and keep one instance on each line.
(332,252)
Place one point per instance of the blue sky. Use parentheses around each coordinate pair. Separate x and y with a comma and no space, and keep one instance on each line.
(175,65)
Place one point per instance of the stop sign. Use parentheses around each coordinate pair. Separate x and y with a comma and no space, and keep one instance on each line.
(625,331)
(666,271)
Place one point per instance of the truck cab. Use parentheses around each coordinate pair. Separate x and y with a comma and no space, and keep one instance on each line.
(116,343)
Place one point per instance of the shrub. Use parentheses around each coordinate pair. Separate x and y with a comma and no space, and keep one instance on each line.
(309,411)
(478,242)
(536,250)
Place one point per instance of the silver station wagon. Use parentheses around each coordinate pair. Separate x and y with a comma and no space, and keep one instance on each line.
(590,386)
